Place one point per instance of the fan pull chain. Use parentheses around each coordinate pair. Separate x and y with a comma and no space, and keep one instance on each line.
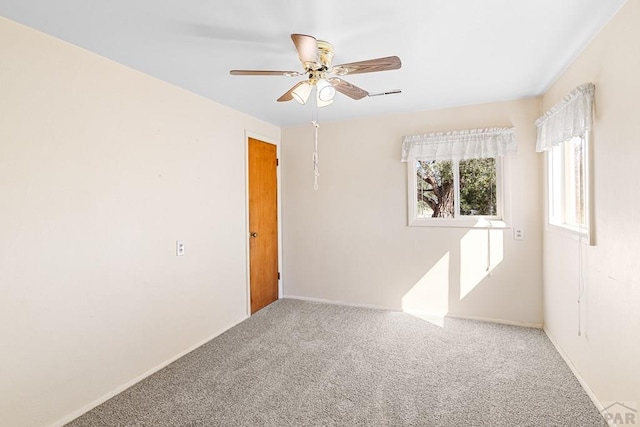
(316,172)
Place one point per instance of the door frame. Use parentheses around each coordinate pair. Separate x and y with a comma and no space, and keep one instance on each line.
(249,134)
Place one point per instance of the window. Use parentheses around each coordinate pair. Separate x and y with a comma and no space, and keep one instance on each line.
(452,189)
(456,178)
(563,132)
(567,184)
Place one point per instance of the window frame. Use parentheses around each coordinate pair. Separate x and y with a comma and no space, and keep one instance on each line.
(555,217)
(467,221)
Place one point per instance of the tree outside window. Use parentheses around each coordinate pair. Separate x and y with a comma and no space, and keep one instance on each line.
(451,189)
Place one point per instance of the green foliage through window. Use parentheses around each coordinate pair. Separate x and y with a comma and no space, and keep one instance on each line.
(478,187)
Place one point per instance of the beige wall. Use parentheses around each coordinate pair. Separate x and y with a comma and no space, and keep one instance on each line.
(349,241)
(102,169)
(607,353)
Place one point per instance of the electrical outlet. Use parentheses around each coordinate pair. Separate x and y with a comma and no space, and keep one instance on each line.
(179,248)
(518,234)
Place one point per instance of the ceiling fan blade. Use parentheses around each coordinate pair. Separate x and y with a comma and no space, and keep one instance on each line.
(348,89)
(307,47)
(287,96)
(263,73)
(369,66)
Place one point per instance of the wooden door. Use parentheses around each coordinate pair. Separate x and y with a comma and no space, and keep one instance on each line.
(263,224)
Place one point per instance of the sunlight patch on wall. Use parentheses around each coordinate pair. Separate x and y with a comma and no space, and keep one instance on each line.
(480,252)
(429,297)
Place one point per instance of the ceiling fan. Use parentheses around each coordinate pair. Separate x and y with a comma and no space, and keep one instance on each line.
(316,56)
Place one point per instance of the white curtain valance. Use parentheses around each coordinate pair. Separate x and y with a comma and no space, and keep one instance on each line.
(459,145)
(569,118)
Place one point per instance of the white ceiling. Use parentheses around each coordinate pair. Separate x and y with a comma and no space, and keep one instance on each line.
(455,52)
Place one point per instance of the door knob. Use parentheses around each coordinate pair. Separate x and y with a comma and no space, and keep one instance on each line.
(254,234)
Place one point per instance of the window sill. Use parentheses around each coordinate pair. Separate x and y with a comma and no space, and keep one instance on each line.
(566,230)
(475,223)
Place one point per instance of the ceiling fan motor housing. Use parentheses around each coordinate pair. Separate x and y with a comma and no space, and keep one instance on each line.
(325,53)
(318,70)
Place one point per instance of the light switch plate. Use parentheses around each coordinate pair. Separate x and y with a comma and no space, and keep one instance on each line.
(179,248)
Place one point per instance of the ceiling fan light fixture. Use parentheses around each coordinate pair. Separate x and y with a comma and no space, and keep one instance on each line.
(326,91)
(301,93)
(320,103)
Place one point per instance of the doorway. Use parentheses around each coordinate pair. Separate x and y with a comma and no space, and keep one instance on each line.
(263,223)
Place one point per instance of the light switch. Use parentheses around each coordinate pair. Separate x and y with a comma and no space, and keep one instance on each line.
(179,248)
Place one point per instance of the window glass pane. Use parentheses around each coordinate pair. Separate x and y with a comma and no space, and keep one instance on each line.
(555,184)
(574,182)
(478,187)
(577,148)
(567,192)
(435,189)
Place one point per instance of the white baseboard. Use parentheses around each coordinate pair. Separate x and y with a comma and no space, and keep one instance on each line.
(334,302)
(577,374)
(454,316)
(492,320)
(75,414)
